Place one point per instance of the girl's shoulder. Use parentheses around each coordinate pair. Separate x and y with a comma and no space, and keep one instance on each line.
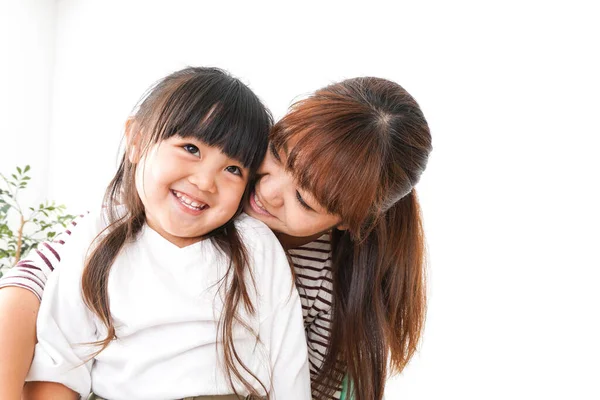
(255,233)
(97,219)
(269,264)
(87,226)
(245,223)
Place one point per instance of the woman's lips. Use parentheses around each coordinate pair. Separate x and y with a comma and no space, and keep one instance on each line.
(257,205)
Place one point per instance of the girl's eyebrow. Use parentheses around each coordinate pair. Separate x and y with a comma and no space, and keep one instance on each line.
(189,137)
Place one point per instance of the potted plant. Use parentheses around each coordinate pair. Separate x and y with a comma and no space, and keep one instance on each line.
(24,228)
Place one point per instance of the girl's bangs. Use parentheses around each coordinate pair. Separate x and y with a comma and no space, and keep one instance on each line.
(221,112)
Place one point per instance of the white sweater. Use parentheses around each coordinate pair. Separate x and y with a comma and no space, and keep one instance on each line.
(166,305)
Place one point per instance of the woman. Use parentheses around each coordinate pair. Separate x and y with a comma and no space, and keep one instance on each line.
(337,187)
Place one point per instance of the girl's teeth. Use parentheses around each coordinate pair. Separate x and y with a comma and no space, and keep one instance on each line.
(189,202)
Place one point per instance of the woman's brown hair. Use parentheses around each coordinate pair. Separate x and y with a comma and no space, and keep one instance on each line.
(360,146)
(219,110)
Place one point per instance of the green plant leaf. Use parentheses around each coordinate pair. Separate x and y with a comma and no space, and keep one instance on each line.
(49,216)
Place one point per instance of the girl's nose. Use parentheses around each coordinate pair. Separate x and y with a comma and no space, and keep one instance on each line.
(204,180)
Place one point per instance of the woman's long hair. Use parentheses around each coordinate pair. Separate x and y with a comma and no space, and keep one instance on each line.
(219,110)
(360,147)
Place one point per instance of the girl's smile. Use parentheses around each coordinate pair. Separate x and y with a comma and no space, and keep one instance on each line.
(188,204)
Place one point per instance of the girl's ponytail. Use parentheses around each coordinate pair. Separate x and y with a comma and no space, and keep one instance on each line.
(123,226)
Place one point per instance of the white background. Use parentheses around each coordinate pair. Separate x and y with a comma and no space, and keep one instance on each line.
(511,194)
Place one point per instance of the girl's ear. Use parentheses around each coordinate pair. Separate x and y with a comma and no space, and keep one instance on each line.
(132,136)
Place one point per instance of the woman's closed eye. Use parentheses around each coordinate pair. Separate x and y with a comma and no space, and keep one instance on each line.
(302,202)
(190,148)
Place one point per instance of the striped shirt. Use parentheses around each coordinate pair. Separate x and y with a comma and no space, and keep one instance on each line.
(312,265)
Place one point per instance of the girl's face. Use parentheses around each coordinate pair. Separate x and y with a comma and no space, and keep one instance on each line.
(188,188)
(279,202)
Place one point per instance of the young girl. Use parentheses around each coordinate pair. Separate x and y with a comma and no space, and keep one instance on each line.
(337,187)
(167,295)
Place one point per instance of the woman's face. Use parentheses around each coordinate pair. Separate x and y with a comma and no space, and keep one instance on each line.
(279,202)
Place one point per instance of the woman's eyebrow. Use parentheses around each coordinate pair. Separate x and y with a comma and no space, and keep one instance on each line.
(286,151)
(274,151)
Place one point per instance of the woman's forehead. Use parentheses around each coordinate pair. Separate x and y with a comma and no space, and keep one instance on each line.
(305,192)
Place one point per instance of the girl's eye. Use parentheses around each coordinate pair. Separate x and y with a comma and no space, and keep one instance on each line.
(302,202)
(194,150)
(234,170)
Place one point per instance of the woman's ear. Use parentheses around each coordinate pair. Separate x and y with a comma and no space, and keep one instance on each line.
(132,137)
(341,227)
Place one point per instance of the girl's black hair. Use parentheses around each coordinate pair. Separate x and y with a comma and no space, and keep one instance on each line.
(211,106)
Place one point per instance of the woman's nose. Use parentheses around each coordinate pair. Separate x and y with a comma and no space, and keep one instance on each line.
(270,189)
(273,182)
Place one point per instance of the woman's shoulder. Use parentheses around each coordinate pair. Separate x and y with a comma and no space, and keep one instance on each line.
(312,266)
(313,257)
(319,248)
